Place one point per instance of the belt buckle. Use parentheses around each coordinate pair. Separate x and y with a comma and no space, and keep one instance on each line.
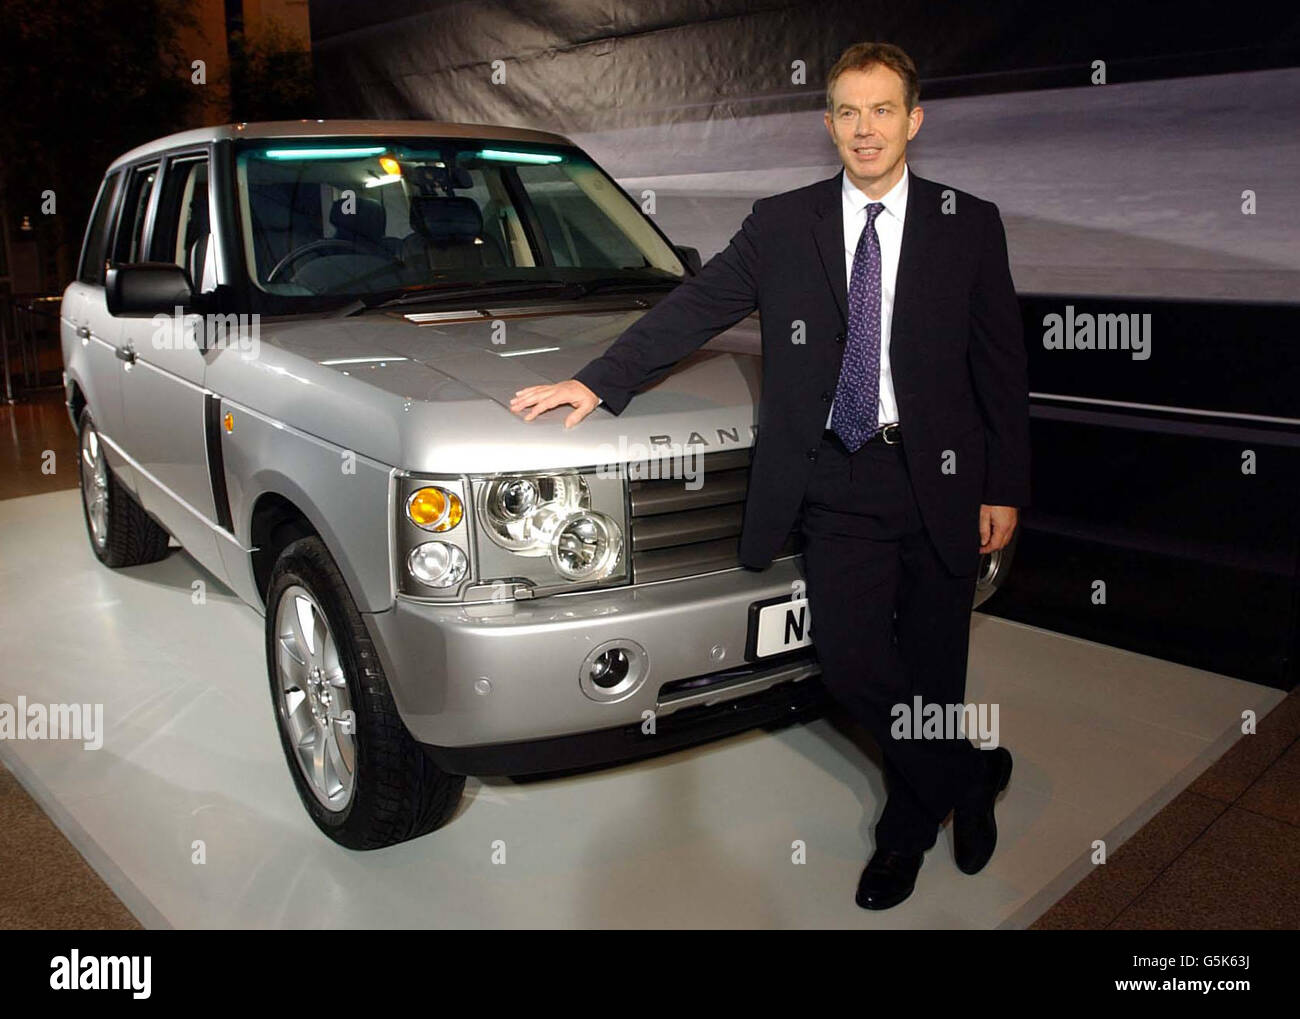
(887,431)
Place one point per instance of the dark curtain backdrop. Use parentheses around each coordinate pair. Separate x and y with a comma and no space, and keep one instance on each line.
(575,65)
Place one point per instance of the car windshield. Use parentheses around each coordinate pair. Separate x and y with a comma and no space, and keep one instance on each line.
(366,217)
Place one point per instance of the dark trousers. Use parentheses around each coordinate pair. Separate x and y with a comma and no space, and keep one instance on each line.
(889,623)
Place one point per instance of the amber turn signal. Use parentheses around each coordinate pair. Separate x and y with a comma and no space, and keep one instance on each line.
(434,509)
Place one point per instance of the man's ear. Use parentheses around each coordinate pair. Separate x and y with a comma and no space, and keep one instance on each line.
(915,117)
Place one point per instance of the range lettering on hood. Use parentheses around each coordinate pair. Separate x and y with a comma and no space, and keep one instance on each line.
(723,436)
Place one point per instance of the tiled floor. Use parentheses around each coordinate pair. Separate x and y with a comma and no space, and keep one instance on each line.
(1224,854)
(1105,742)
(38,448)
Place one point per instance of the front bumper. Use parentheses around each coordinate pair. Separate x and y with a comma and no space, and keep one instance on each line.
(778,705)
(494,688)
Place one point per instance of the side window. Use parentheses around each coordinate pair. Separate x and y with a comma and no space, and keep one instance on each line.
(128,246)
(95,250)
(182,231)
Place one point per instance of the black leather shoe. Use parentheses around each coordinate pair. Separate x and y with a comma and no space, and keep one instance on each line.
(888,879)
(974,831)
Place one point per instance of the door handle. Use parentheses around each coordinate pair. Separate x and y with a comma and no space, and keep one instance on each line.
(126,354)
(83,332)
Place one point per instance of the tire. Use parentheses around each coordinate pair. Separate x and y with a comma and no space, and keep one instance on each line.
(371,785)
(121,533)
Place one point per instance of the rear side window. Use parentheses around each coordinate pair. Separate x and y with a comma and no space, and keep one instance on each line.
(95,251)
(131,225)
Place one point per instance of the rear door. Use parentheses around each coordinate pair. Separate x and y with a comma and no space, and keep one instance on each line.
(89,333)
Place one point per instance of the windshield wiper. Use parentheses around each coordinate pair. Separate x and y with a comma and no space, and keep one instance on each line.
(444,292)
(614,284)
(436,292)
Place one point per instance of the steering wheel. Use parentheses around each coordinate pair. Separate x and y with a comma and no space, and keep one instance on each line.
(314,249)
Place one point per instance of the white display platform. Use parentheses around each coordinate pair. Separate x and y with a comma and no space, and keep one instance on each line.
(700,838)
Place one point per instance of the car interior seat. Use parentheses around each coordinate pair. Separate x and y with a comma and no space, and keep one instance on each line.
(448,234)
(364,226)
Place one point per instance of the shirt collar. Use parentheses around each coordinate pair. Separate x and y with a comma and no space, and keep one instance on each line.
(895,199)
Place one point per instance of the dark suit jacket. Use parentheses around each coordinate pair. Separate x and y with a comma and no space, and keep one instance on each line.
(957,355)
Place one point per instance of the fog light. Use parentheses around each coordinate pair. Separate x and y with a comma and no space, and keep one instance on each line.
(613,670)
(610,668)
(586,546)
(437,564)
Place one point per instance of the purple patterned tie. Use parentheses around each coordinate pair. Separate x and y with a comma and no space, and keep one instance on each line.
(855,416)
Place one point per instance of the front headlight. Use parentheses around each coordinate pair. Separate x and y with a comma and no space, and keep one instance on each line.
(523,513)
(552,530)
(585,546)
(539,532)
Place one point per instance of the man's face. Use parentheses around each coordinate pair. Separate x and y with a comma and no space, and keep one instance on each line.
(871,126)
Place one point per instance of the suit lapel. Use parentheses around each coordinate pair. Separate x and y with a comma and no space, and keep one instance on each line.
(918,232)
(828,230)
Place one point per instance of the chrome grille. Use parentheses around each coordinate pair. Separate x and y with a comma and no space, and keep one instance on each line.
(681,532)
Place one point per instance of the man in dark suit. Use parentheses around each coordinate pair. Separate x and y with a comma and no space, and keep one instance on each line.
(893,423)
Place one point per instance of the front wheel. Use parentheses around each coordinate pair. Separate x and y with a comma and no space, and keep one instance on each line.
(364,781)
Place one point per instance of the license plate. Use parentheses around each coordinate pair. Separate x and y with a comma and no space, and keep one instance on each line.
(778,625)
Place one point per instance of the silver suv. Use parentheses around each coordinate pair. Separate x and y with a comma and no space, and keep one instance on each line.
(292,348)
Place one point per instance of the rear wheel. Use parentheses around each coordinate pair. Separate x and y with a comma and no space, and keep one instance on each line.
(121,533)
(363,779)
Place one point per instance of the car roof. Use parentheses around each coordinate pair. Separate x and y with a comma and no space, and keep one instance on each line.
(336,128)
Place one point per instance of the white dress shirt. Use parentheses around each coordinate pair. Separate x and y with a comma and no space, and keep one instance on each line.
(889,230)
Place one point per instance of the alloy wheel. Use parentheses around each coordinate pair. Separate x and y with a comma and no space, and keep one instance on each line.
(94,486)
(314,704)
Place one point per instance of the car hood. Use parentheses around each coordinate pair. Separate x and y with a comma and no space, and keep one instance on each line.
(429,389)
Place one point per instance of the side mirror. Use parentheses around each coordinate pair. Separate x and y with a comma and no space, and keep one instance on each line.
(145,289)
(691,256)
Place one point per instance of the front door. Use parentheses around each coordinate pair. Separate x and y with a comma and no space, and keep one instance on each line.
(162,390)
